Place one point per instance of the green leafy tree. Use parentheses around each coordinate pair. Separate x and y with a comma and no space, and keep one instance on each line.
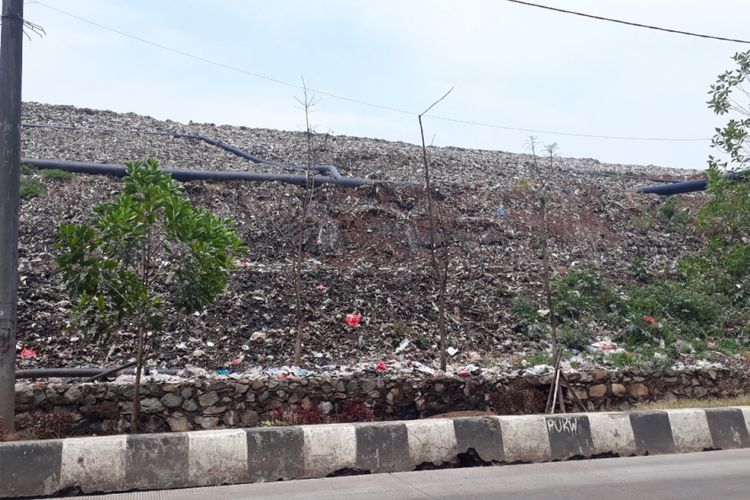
(144,257)
(724,264)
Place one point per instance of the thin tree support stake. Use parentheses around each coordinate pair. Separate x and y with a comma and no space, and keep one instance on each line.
(553,390)
(571,391)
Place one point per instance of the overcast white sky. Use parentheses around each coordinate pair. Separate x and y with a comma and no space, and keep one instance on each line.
(511,65)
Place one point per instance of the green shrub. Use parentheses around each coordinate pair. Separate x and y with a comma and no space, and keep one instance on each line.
(501,290)
(643,223)
(585,291)
(530,324)
(401,329)
(574,337)
(636,332)
(675,308)
(622,359)
(731,346)
(677,220)
(31,188)
(145,257)
(56,174)
(638,270)
(27,169)
(668,208)
(422,341)
(524,308)
(538,358)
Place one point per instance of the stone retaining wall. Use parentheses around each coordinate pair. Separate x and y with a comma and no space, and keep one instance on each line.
(228,403)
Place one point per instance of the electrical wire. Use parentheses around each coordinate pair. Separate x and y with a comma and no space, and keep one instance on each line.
(353,100)
(569,134)
(628,23)
(223,65)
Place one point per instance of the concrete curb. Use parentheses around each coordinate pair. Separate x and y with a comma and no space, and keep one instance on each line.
(202,458)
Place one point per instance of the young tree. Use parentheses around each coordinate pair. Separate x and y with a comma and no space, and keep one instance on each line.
(143,257)
(724,264)
(542,192)
(541,188)
(439,263)
(308,102)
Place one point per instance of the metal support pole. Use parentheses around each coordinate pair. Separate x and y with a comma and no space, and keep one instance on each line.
(11,49)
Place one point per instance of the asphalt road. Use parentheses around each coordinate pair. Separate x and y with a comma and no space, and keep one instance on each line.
(722,475)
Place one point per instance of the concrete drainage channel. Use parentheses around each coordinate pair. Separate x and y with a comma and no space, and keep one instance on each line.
(233,456)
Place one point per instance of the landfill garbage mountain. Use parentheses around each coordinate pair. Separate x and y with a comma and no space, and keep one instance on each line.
(367,289)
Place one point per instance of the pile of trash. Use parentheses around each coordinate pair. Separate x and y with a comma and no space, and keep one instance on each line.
(367,283)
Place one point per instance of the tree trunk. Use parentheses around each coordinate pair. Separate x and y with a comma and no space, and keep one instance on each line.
(441,316)
(298,301)
(547,278)
(135,417)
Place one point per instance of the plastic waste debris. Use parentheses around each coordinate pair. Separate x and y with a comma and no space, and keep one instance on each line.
(423,368)
(380,366)
(469,370)
(501,212)
(602,345)
(649,319)
(191,371)
(403,345)
(451,351)
(257,336)
(27,353)
(353,319)
(222,371)
(539,369)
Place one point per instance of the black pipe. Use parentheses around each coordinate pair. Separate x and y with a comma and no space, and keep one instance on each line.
(81,372)
(677,188)
(197,175)
(322,169)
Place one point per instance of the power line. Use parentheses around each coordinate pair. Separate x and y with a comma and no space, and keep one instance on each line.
(223,65)
(350,99)
(569,134)
(628,23)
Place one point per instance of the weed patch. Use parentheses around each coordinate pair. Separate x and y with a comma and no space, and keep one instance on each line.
(31,188)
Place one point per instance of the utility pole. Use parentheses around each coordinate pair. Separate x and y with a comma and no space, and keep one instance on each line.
(11,50)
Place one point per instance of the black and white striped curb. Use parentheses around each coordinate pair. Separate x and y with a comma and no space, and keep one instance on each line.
(178,460)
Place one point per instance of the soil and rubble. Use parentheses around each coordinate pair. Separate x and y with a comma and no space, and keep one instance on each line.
(365,249)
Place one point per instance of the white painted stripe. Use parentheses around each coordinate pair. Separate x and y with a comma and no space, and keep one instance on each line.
(612,433)
(217,457)
(432,440)
(94,463)
(525,438)
(329,448)
(690,430)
